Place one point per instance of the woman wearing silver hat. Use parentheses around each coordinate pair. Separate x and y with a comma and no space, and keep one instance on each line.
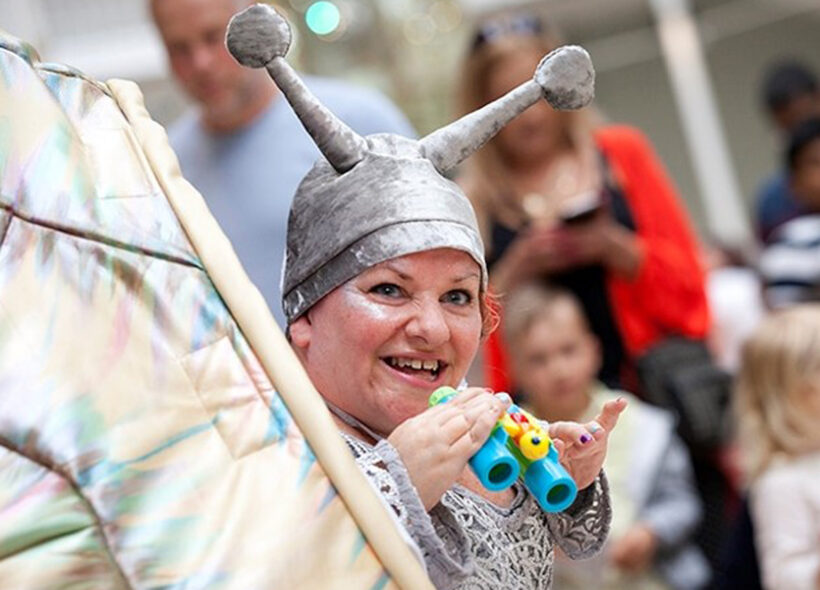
(384,290)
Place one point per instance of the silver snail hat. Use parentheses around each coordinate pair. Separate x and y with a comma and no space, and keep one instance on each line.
(382,196)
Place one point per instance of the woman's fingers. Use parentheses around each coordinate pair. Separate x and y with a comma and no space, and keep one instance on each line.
(574,433)
(476,435)
(444,411)
(436,444)
(596,430)
(465,397)
(474,399)
(560,448)
(608,417)
(474,417)
(571,433)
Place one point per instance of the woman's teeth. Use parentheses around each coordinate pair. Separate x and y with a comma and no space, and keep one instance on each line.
(433,366)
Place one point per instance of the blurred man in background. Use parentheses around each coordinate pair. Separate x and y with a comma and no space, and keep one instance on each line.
(790,95)
(241,146)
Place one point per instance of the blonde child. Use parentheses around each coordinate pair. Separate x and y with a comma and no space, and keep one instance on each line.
(655,505)
(778,411)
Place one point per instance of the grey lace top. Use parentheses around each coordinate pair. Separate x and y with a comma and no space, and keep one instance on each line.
(468,542)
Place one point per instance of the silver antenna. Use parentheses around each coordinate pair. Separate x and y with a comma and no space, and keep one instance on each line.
(259,37)
(565,78)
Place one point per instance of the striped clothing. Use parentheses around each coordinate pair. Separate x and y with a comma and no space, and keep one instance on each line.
(790,264)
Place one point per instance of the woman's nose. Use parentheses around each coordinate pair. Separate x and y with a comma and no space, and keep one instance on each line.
(202,57)
(429,323)
(562,370)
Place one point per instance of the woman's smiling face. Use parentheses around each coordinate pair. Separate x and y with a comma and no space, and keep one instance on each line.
(378,345)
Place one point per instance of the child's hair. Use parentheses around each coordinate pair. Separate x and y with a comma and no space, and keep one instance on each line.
(780,368)
(531,302)
(785,82)
(803,134)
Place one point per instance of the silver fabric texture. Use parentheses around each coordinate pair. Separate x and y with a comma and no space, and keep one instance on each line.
(259,37)
(565,78)
(391,204)
(470,543)
(383,196)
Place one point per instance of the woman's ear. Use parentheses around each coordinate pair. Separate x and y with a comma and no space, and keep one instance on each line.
(300,332)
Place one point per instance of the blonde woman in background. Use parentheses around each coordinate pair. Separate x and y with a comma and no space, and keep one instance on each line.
(778,412)
(585,206)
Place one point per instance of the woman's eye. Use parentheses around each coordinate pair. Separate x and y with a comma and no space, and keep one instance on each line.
(569,349)
(386,289)
(458,297)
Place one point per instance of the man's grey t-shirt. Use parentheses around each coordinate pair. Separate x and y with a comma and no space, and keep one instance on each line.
(248,177)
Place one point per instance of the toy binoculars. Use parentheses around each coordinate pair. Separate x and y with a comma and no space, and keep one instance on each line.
(519,446)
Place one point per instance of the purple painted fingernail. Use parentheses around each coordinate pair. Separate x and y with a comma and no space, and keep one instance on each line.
(585,438)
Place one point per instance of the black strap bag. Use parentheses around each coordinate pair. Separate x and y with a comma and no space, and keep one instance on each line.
(679,374)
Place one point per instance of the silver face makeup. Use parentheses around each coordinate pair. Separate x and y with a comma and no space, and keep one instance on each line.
(358,300)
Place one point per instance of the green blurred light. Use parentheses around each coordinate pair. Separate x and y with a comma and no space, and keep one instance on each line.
(322,17)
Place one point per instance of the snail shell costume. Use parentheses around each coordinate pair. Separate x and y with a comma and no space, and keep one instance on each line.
(382,196)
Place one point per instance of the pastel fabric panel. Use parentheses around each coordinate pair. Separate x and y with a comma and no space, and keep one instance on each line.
(142,445)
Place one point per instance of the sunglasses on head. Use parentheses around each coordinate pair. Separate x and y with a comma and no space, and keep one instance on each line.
(522,24)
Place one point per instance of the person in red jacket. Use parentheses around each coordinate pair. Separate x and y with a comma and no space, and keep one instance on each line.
(585,206)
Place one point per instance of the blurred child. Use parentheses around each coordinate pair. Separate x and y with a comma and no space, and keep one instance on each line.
(790,264)
(790,93)
(655,505)
(778,410)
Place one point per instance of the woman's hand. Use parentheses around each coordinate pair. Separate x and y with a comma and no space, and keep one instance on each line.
(600,240)
(436,445)
(582,447)
(547,249)
(634,551)
(535,251)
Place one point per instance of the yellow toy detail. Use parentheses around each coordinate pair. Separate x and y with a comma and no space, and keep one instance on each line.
(524,428)
(519,447)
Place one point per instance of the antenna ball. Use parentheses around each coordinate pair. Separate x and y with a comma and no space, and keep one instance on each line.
(567,78)
(257,35)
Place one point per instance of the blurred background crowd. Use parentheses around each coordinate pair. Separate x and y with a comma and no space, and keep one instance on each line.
(411,50)
(664,242)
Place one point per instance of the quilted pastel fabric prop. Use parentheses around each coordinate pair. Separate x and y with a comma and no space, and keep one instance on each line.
(142,443)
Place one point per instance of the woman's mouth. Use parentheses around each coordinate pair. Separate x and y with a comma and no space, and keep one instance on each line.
(428,369)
